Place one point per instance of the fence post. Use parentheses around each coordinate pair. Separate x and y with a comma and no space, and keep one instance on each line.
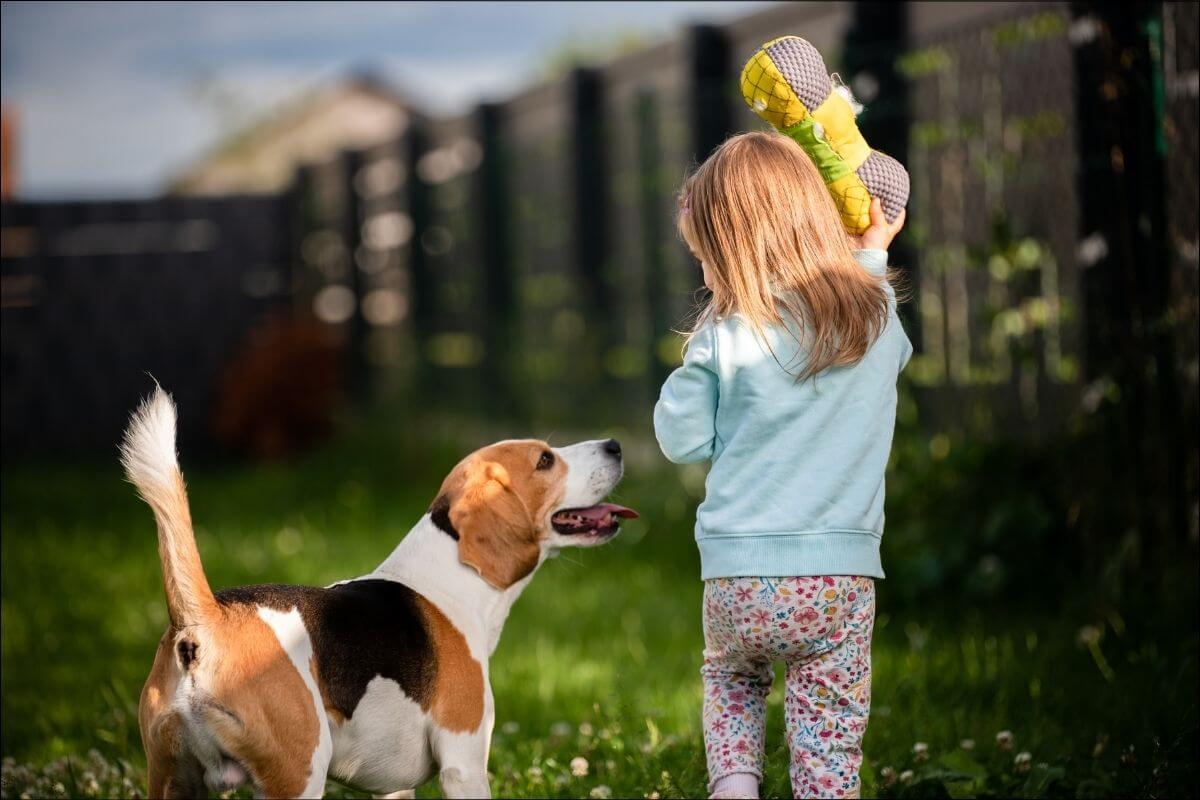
(1122,216)
(875,39)
(422,292)
(496,259)
(650,185)
(711,75)
(592,236)
(358,376)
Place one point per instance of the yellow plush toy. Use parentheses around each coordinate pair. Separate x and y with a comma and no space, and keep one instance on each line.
(787,84)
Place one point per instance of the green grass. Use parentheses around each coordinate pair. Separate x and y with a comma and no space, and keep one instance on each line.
(600,657)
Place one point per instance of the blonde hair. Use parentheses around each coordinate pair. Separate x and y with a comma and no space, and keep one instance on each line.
(759,215)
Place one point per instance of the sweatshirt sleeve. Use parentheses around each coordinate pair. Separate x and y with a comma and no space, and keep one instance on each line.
(874,261)
(685,415)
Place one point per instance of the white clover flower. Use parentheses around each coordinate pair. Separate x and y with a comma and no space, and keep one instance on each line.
(1088,635)
(1004,740)
(1023,761)
(579,766)
(967,744)
(906,777)
(888,776)
(560,729)
(510,728)
(600,792)
(920,752)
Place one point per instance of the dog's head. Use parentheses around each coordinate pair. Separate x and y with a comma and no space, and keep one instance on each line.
(511,502)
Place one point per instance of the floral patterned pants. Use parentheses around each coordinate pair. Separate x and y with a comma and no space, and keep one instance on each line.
(821,628)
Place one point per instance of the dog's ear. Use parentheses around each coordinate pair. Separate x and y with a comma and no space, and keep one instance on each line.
(496,535)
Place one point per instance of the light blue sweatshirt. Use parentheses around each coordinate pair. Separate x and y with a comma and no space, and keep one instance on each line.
(796,484)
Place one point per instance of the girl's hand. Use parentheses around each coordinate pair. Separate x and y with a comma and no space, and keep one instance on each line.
(879,236)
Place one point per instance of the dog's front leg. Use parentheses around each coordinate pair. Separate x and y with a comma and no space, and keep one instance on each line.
(462,761)
(464,781)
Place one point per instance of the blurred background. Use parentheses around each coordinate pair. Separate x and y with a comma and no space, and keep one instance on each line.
(356,241)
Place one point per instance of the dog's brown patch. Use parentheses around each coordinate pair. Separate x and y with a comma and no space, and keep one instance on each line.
(330,709)
(456,702)
(274,727)
(498,508)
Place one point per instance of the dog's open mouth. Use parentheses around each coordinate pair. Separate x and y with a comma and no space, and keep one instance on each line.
(599,519)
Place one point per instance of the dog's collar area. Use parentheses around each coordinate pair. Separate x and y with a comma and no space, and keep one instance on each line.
(439,512)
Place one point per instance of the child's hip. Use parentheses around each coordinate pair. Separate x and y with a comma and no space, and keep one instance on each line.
(787,618)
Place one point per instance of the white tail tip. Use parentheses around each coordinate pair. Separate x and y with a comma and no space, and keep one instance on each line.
(148,450)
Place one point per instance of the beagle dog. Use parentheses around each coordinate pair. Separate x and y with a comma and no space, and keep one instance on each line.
(379,681)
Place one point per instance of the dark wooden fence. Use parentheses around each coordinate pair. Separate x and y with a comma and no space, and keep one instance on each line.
(521,261)
(97,296)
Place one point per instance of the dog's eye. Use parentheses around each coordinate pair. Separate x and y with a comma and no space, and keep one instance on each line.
(546,461)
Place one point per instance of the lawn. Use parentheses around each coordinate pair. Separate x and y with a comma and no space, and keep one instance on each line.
(600,658)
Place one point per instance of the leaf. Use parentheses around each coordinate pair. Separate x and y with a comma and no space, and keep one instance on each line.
(960,790)
(1040,778)
(961,762)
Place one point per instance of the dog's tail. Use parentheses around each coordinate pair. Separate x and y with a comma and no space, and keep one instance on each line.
(148,455)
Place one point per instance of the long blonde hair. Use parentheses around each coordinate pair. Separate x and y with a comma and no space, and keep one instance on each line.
(759,216)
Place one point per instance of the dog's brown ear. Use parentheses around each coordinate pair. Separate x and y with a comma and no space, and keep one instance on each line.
(496,535)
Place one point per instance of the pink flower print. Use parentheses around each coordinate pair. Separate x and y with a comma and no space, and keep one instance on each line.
(828,580)
(719,726)
(852,596)
(736,708)
(743,594)
(828,782)
(806,615)
(760,616)
(741,747)
(838,675)
(737,696)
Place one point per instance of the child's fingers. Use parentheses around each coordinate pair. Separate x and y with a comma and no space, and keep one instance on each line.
(878,220)
(899,223)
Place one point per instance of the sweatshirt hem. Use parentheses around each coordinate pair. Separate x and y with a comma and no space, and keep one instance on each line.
(789,554)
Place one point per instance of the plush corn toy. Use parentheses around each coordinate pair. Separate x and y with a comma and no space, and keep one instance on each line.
(787,84)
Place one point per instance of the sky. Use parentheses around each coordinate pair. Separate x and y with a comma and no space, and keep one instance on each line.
(112,99)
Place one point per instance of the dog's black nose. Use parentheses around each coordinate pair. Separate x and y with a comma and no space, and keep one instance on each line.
(612,447)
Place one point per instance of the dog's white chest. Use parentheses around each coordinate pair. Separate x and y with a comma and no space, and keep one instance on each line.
(385,746)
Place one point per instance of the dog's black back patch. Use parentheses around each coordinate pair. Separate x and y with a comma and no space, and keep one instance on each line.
(359,630)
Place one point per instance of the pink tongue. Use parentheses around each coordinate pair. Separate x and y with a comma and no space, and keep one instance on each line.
(598,511)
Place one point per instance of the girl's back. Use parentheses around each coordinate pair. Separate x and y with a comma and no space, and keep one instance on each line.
(797,478)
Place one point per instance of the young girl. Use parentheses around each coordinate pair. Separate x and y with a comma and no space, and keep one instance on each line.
(788,386)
